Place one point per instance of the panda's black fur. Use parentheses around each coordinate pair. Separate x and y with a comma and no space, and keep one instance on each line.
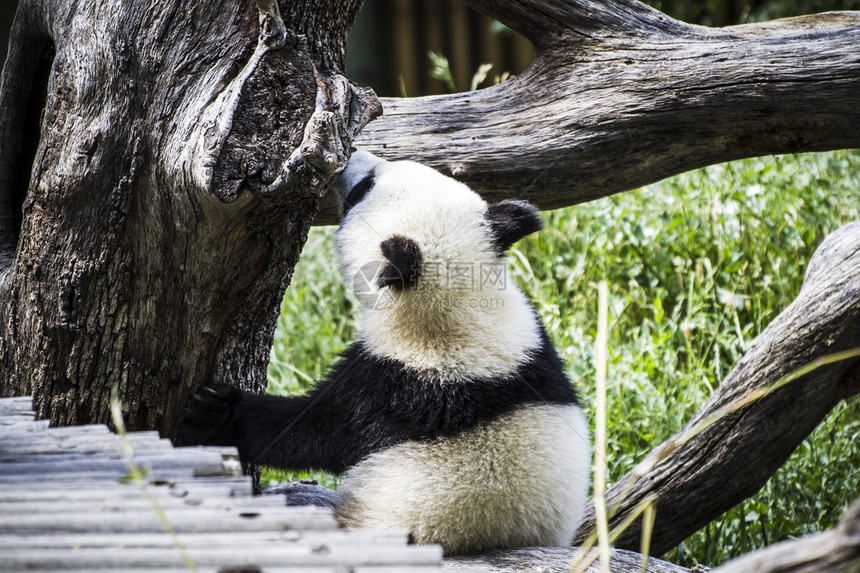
(476,444)
(340,422)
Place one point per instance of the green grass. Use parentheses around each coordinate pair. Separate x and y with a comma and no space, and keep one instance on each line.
(697,266)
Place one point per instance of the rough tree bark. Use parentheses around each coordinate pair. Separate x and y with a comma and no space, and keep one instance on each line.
(621,95)
(837,549)
(161,161)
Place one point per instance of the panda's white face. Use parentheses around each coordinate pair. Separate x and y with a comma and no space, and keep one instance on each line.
(426,257)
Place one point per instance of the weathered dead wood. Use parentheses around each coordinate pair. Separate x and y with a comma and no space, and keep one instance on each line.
(189,520)
(306,558)
(204,540)
(555,560)
(621,95)
(61,491)
(735,456)
(159,168)
(53,522)
(834,551)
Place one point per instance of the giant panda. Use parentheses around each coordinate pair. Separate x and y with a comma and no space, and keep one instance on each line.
(451,415)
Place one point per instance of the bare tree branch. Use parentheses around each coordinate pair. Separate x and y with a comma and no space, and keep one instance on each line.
(556,560)
(621,95)
(832,551)
(734,457)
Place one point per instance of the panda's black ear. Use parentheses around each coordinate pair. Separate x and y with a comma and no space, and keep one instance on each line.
(511,220)
(403,261)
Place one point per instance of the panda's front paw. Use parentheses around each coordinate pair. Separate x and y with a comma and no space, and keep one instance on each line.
(211,420)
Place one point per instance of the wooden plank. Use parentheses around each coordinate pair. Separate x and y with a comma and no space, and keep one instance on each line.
(282,556)
(162,474)
(48,443)
(10,417)
(111,462)
(16,403)
(66,508)
(64,456)
(184,569)
(140,502)
(101,490)
(60,483)
(84,541)
(12,427)
(182,520)
(405,569)
(65,430)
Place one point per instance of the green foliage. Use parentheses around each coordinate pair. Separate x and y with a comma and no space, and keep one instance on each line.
(441,70)
(317,320)
(785,8)
(697,266)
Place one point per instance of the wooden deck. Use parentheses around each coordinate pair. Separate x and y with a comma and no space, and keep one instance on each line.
(65,504)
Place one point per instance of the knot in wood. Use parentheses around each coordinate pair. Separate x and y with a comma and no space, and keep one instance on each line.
(272,32)
(458,170)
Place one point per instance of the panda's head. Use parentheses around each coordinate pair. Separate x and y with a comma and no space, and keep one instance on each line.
(425,253)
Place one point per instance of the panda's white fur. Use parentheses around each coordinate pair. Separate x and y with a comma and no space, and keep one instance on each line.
(483,330)
(517,481)
(451,414)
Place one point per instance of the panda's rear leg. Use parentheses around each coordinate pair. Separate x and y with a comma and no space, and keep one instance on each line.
(305,492)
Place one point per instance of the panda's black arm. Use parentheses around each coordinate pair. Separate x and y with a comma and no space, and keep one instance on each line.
(302,432)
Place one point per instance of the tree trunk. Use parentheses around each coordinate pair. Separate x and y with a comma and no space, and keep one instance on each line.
(160,157)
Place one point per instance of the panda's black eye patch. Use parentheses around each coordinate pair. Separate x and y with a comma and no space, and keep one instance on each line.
(403,263)
(357,193)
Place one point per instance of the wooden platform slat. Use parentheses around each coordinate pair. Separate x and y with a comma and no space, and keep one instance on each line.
(203,540)
(65,505)
(284,555)
(98,490)
(275,569)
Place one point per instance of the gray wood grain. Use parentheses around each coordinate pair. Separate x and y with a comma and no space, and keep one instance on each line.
(66,510)
(283,556)
(556,560)
(620,95)
(160,165)
(836,549)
